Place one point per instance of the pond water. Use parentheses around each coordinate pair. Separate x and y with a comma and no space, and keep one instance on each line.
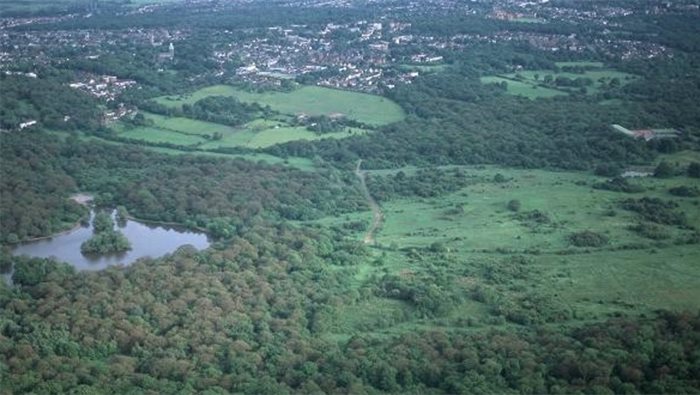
(146,241)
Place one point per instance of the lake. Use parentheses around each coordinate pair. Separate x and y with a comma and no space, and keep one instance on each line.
(146,241)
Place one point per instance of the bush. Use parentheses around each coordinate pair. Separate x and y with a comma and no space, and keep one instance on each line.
(685,191)
(619,184)
(694,170)
(663,170)
(650,231)
(607,170)
(514,205)
(588,238)
(655,210)
(106,243)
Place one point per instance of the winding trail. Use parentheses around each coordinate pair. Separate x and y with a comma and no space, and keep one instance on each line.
(377,215)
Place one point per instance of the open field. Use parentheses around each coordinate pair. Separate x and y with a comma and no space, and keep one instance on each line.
(192,133)
(580,64)
(600,78)
(299,163)
(310,100)
(630,275)
(518,88)
(487,224)
(188,126)
(530,83)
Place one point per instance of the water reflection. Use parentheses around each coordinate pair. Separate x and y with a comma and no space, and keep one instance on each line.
(146,241)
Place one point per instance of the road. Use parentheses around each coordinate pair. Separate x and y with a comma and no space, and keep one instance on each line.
(377,215)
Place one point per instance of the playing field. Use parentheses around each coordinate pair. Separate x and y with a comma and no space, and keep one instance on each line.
(309,100)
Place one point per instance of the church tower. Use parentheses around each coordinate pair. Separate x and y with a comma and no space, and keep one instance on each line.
(171,51)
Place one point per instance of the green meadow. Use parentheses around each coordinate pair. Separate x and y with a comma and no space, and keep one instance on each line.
(309,100)
(197,134)
(630,274)
(518,88)
(531,83)
(586,64)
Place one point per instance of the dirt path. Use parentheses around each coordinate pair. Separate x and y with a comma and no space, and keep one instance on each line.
(377,215)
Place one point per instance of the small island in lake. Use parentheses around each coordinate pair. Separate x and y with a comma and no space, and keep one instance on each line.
(106,239)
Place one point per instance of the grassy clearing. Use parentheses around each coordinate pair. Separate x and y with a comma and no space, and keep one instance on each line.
(299,163)
(600,78)
(640,280)
(188,126)
(530,83)
(259,133)
(580,64)
(517,88)
(310,100)
(630,275)
(487,224)
(158,135)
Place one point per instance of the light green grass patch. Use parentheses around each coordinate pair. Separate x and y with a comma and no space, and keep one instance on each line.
(189,126)
(637,279)
(631,275)
(518,88)
(580,64)
(486,224)
(158,135)
(310,100)
(599,78)
(529,20)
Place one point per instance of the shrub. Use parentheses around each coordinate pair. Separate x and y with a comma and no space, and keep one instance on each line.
(607,170)
(514,205)
(650,231)
(655,210)
(619,184)
(685,191)
(694,170)
(663,170)
(588,238)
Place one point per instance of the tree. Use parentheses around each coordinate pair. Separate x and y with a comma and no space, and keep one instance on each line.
(102,223)
(514,205)
(694,170)
(664,170)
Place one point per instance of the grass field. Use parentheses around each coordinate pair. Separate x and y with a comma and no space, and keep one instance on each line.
(518,88)
(580,64)
(530,83)
(631,275)
(192,133)
(299,163)
(310,100)
(188,126)
(487,224)
(599,77)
